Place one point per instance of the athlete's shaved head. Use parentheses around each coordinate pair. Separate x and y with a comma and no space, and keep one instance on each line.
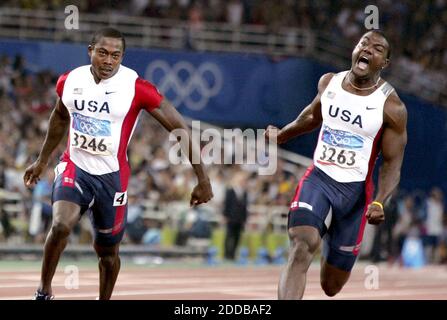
(107,33)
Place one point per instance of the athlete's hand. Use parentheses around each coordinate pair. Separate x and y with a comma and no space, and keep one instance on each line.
(33,172)
(375,214)
(271,133)
(201,193)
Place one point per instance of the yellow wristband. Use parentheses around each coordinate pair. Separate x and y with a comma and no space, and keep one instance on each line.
(378,204)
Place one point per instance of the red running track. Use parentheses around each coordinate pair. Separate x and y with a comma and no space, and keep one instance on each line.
(228,282)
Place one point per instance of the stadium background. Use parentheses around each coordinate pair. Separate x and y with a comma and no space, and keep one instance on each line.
(231,64)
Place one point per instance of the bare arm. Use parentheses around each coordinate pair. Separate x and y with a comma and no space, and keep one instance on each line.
(57,128)
(308,120)
(171,119)
(394,140)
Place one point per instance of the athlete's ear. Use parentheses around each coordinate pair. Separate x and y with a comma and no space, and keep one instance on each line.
(387,62)
(90,49)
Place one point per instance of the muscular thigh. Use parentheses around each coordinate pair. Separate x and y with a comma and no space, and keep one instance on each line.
(66,213)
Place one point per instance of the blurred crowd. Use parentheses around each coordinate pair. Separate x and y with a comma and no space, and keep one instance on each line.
(416,29)
(417,216)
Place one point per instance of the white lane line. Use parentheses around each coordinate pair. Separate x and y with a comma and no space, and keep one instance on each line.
(158,281)
(123,293)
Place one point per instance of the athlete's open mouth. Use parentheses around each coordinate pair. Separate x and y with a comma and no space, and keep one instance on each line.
(363,63)
(105,69)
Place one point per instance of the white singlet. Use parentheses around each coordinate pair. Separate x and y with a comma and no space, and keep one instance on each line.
(352,125)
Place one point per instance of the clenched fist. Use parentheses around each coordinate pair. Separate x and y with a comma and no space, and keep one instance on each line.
(375,214)
(272,133)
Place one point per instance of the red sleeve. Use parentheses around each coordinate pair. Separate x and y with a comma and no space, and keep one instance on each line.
(147,95)
(61,83)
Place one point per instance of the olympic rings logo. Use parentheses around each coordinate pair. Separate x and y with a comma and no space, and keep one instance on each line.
(191,86)
(336,140)
(89,128)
